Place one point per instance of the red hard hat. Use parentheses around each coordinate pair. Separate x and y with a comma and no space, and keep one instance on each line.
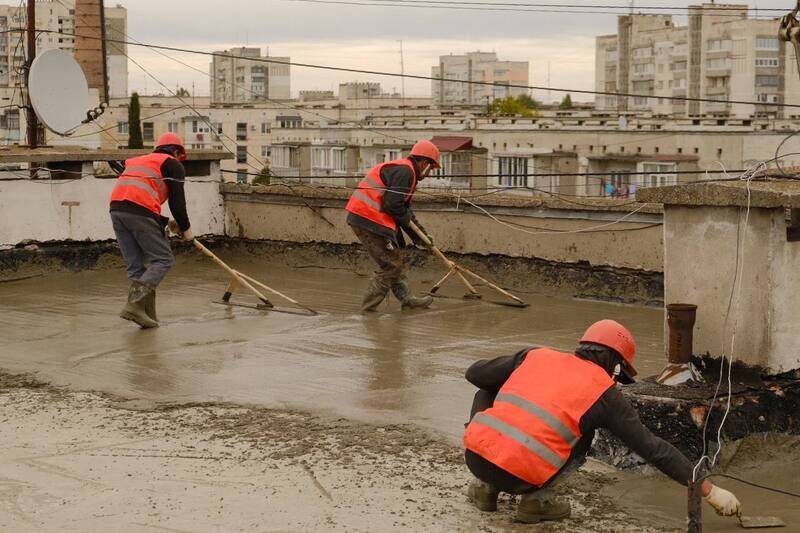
(614,335)
(173,139)
(428,150)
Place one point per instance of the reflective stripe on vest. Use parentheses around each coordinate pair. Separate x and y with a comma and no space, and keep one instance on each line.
(142,182)
(534,423)
(367,200)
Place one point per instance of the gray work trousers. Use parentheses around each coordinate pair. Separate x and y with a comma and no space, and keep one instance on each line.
(142,242)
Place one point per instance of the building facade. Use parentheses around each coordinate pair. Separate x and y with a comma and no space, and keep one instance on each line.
(481,67)
(56,20)
(244,76)
(737,62)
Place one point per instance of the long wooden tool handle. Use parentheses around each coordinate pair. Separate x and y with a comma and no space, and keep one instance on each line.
(441,281)
(229,291)
(438,253)
(492,285)
(231,271)
(273,291)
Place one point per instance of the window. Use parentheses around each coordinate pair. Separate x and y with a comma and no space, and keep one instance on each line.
(241,175)
(767,61)
(338,159)
(658,174)
(513,171)
(241,131)
(643,68)
(718,45)
(284,156)
(768,98)
(767,81)
(717,63)
(677,65)
(767,43)
(265,151)
(172,127)
(122,128)
(264,128)
(241,154)
(391,155)
(147,131)
(642,52)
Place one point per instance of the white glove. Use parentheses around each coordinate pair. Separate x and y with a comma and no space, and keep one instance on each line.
(188,235)
(723,502)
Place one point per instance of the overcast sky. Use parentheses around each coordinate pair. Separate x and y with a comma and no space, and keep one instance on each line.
(368,37)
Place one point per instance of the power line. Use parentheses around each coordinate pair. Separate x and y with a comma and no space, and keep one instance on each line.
(428,78)
(487,6)
(702,8)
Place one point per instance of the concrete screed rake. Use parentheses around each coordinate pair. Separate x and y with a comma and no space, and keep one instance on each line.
(237,278)
(459,271)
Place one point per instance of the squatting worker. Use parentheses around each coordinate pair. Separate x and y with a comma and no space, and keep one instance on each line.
(535,415)
(146,183)
(380,210)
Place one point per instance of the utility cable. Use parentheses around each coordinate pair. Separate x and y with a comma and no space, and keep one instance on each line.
(426,78)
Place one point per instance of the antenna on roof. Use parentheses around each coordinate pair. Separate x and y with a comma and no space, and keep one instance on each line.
(59,93)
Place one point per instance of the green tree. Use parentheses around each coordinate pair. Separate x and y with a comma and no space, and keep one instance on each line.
(134,124)
(181,92)
(529,102)
(566,103)
(263,177)
(508,106)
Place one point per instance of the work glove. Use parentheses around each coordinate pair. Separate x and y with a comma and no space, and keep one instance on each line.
(188,235)
(723,502)
(173,227)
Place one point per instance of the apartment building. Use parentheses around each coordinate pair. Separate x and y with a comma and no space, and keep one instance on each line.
(721,55)
(477,67)
(244,76)
(51,16)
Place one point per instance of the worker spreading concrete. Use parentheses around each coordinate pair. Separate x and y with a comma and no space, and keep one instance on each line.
(380,211)
(146,183)
(534,418)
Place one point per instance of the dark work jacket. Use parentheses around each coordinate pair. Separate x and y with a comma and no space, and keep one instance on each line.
(397,179)
(612,411)
(174,176)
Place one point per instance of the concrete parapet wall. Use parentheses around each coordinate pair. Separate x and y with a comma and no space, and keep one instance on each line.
(66,208)
(548,229)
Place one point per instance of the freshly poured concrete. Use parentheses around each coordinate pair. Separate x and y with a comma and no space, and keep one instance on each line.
(390,366)
(73,460)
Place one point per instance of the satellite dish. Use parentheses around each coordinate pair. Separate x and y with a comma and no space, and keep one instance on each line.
(58,91)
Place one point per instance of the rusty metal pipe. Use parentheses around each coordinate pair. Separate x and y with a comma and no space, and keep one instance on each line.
(680,319)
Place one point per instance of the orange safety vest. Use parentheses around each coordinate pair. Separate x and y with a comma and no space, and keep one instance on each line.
(367,200)
(535,420)
(142,182)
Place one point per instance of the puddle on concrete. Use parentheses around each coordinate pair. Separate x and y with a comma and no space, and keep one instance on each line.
(390,366)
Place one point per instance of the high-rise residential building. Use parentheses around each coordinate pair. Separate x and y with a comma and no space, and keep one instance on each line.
(477,67)
(55,20)
(722,55)
(237,79)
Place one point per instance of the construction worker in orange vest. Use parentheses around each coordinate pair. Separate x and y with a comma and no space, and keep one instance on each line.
(379,210)
(534,418)
(146,183)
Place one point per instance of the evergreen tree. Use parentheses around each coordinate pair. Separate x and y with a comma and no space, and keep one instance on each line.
(566,103)
(134,123)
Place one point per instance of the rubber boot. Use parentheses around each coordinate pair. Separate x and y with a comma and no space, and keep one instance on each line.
(408,300)
(541,505)
(135,309)
(150,305)
(483,496)
(376,292)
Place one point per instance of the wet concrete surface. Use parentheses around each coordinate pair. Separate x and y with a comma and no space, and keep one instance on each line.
(390,367)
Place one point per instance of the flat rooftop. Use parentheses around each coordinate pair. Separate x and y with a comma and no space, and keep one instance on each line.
(388,366)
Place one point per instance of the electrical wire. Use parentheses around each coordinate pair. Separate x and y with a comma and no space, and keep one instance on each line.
(757,485)
(427,78)
(699,9)
(475,6)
